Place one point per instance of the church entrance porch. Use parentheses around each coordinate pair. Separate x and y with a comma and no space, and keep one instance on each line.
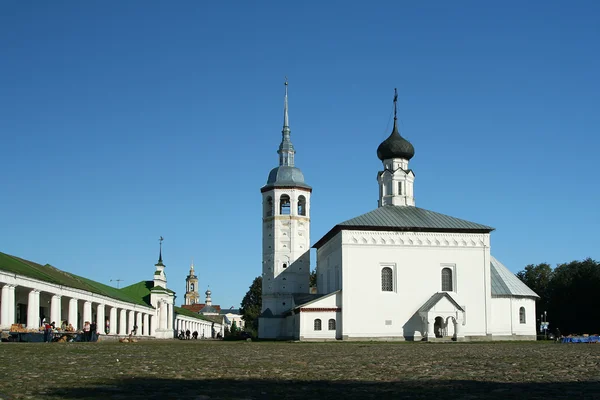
(442,318)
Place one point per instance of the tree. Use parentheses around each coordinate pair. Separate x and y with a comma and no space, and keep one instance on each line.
(251,306)
(312,282)
(538,278)
(573,290)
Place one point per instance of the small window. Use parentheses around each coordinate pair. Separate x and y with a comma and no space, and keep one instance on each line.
(387,284)
(446,280)
(317,324)
(192,287)
(284,265)
(522,319)
(332,324)
(269,207)
(301,205)
(284,204)
(400,188)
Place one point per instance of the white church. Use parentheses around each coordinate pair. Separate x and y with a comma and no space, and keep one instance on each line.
(398,272)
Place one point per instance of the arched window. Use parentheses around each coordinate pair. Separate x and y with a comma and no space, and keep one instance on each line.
(332,324)
(387,283)
(284,204)
(284,266)
(269,207)
(317,324)
(301,205)
(522,319)
(192,287)
(446,280)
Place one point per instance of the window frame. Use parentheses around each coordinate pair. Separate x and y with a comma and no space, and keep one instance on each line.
(317,325)
(522,315)
(452,269)
(330,326)
(392,282)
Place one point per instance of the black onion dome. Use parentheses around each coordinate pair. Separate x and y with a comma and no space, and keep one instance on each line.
(395,146)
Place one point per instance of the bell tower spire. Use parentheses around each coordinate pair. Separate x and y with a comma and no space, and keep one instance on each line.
(286,148)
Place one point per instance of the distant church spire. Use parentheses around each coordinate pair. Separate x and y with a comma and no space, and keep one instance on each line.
(286,148)
(160,261)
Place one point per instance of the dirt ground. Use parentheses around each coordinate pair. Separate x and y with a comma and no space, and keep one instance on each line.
(268,370)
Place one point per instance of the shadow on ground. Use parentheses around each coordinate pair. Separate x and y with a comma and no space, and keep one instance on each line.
(147,388)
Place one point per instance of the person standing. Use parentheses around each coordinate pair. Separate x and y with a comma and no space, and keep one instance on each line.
(93,331)
(86,331)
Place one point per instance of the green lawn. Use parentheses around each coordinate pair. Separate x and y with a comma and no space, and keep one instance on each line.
(267,370)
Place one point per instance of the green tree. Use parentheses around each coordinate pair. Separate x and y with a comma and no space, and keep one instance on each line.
(312,282)
(538,278)
(251,306)
(572,294)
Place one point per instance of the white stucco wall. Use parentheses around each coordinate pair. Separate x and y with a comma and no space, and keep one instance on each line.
(417,260)
(323,309)
(506,322)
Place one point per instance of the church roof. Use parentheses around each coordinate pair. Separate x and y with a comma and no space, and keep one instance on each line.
(188,313)
(50,274)
(285,176)
(433,300)
(301,299)
(405,218)
(505,283)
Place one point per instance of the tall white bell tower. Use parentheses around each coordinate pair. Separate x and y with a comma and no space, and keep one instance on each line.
(286,236)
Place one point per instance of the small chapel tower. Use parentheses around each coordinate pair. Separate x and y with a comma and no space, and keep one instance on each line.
(286,233)
(191,287)
(396,180)
(160,278)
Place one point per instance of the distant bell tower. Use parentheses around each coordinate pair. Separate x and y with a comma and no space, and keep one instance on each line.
(191,287)
(396,180)
(286,234)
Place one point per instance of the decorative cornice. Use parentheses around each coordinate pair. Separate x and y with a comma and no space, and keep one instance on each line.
(315,309)
(416,239)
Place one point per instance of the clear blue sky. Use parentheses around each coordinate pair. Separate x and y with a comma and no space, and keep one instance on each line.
(124,121)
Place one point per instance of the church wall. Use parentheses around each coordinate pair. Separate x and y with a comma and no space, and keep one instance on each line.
(329,266)
(506,319)
(416,260)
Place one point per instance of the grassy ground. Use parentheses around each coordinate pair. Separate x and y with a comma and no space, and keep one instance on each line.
(264,370)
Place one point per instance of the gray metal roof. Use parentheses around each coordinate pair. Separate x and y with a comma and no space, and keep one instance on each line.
(301,299)
(433,300)
(505,283)
(406,218)
(285,176)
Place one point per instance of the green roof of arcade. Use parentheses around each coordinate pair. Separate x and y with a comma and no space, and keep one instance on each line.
(50,274)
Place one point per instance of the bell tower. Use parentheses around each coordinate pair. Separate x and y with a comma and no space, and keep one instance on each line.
(396,180)
(191,287)
(286,235)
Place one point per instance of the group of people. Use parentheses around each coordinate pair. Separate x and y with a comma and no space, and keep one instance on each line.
(186,335)
(90,332)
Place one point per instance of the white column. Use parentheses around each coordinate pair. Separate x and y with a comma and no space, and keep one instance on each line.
(430,329)
(73,313)
(139,322)
(146,325)
(113,321)
(87,311)
(33,309)
(170,317)
(11,304)
(458,329)
(123,322)
(162,325)
(152,324)
(100,319)
(55,311)
(5,321)
(130,321)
